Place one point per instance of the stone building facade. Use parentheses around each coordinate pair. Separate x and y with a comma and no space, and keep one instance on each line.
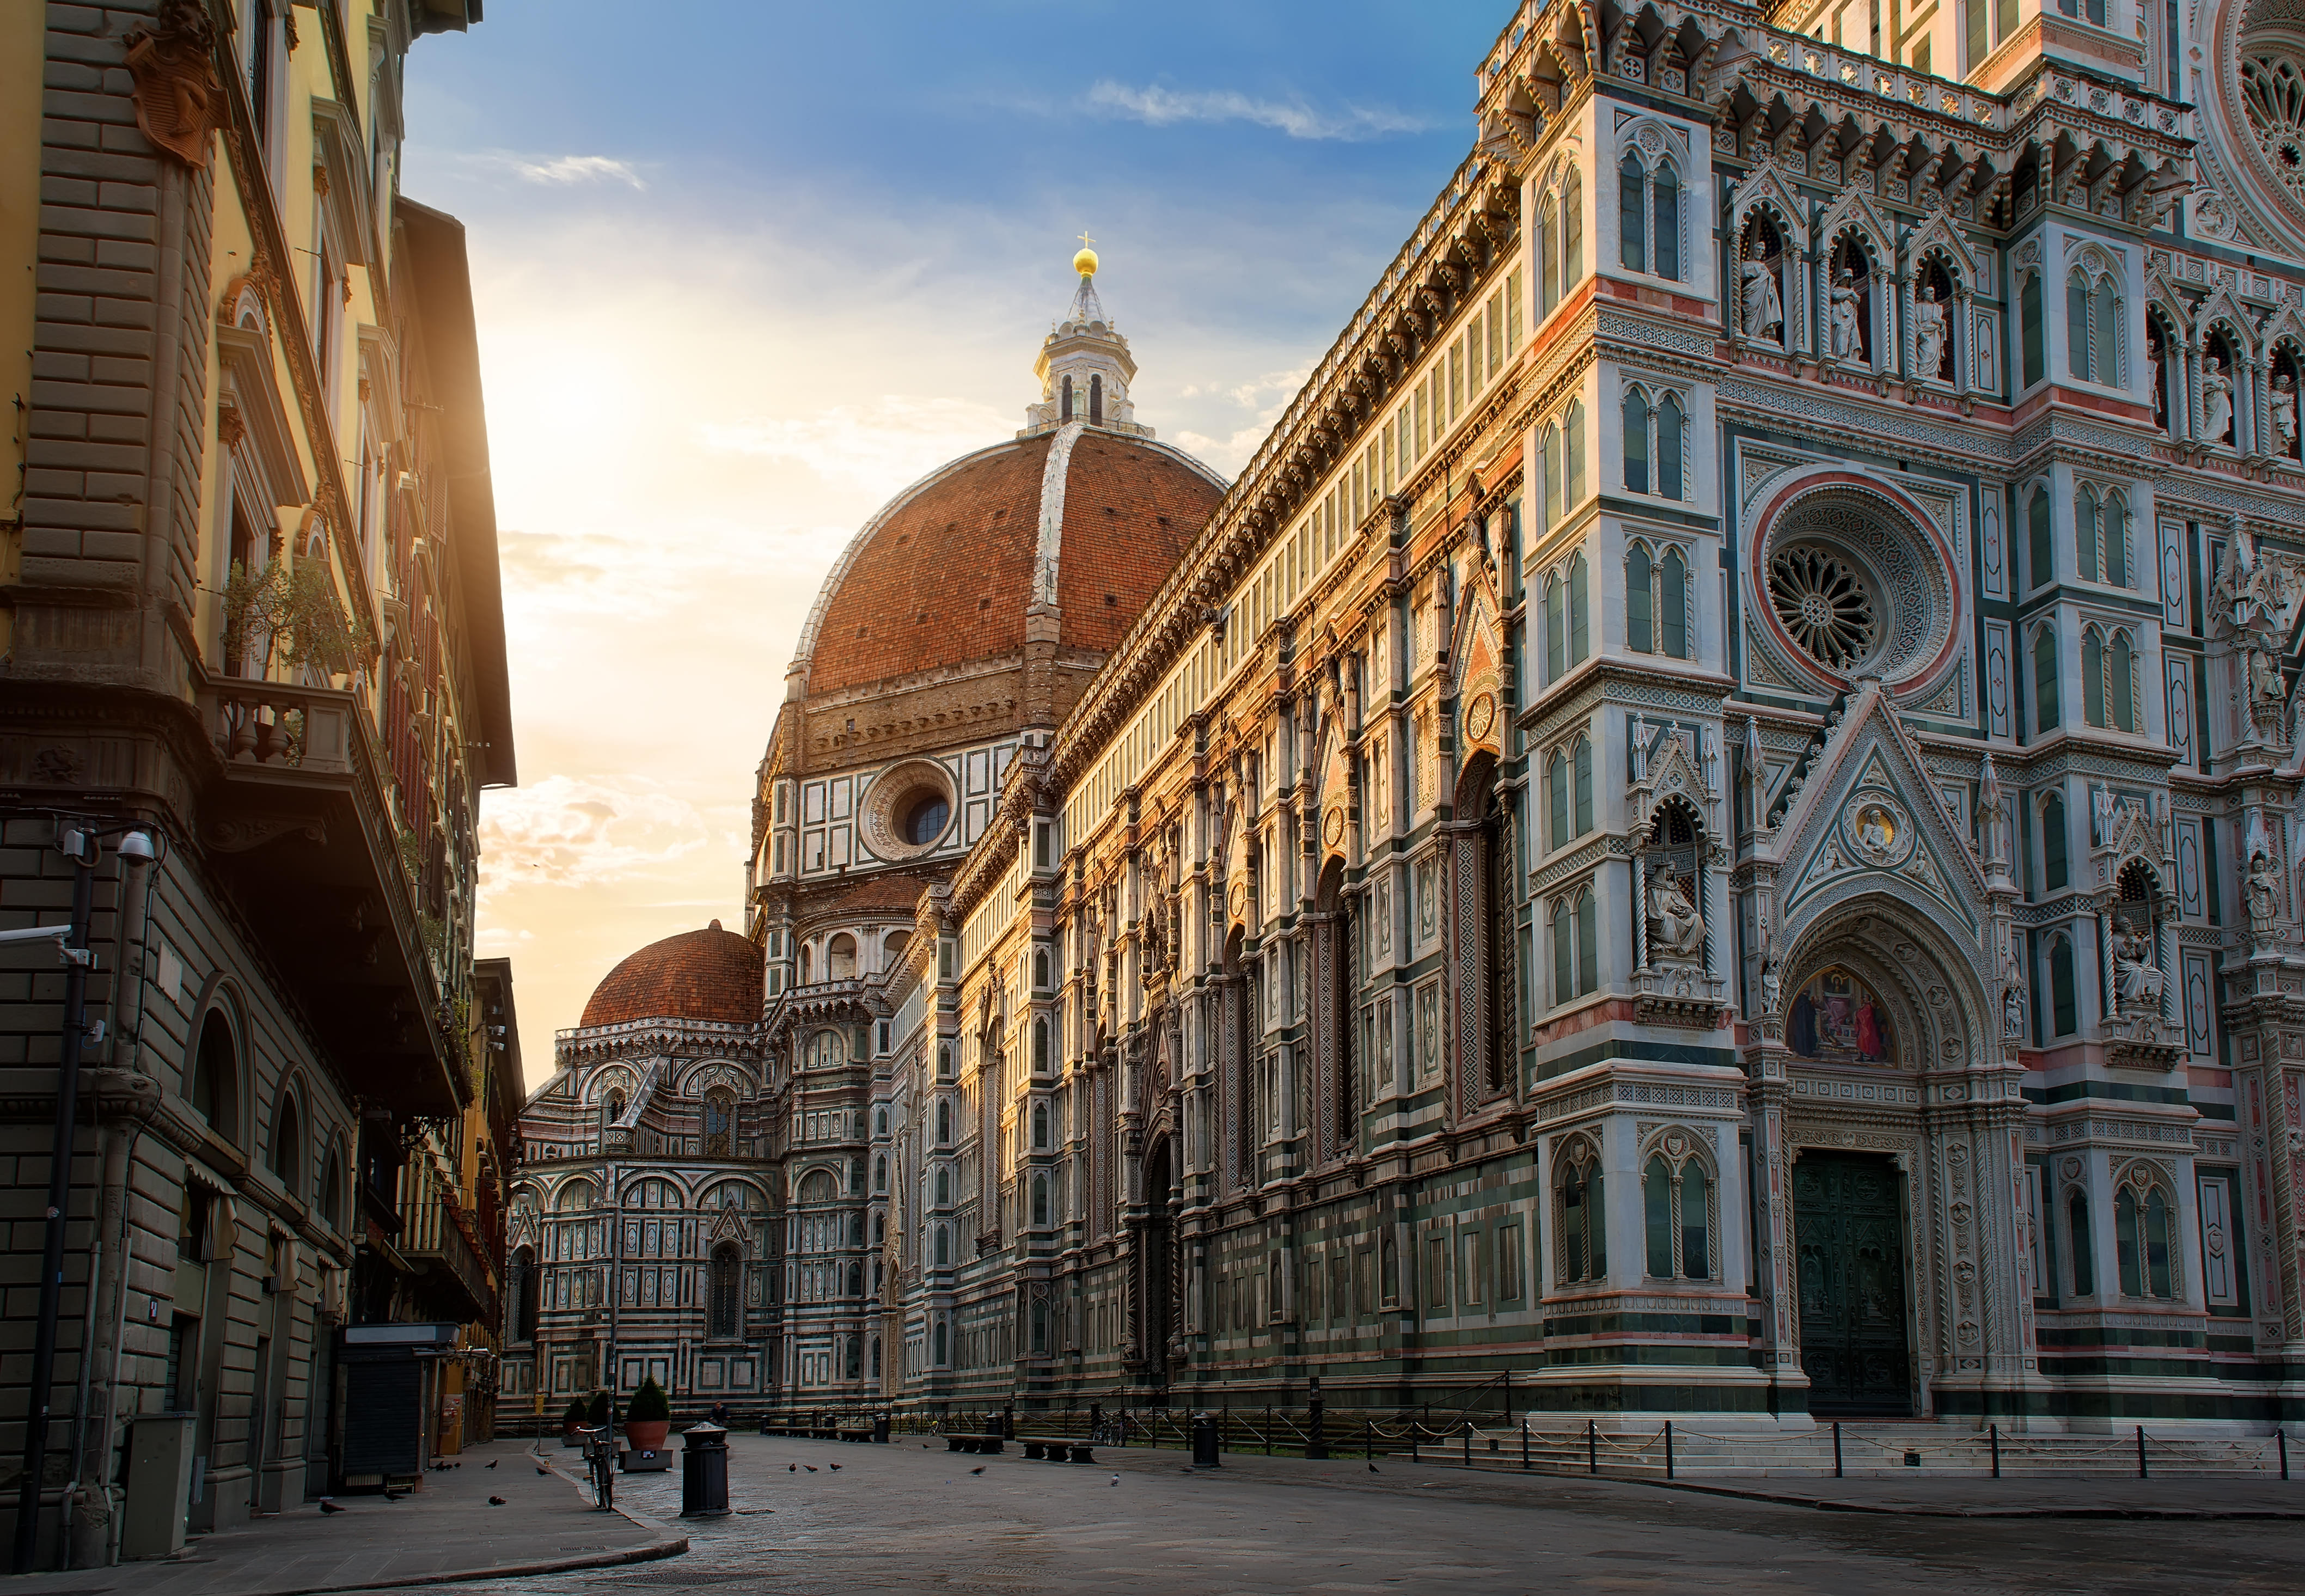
(1710,826)
(251,607)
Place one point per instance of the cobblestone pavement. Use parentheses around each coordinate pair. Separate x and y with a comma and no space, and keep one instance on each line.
(902,1518)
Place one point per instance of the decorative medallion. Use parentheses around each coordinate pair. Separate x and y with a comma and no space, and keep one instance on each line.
(1878,830)
(1481,717)
(1333,828)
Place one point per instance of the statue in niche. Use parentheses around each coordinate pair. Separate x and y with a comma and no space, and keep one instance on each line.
(2155,353)
(1677,931)
(1764,306)
(2263,888)
(2217,400)
(2136,980)
(2012,995)
(2284,414)
(1846,299)
(1929,350)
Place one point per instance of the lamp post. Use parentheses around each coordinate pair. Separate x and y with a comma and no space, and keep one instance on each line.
(81,844)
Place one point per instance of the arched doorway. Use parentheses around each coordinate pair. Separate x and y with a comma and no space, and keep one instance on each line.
(1898,1181)
(1159,1261)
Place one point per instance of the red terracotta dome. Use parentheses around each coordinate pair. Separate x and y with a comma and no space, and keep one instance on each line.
(946,573)
(709,974)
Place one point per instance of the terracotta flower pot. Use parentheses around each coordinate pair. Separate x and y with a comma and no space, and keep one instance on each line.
(646,1435)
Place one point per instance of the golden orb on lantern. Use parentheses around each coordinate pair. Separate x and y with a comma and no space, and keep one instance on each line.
(1084,262)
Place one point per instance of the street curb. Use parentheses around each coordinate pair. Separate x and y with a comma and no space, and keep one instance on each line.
(670,1545)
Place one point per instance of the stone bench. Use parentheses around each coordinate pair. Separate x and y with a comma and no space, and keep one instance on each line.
(1056,1448)
(971,1441)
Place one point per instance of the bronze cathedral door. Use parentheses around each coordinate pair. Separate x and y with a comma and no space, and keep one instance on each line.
(1849,1236)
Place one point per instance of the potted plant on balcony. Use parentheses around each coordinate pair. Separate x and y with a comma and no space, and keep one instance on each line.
(648,1416)
(571,1422)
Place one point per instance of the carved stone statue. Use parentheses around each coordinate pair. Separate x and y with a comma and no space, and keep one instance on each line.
(2013,994)
(2217,402)
(1845,301)
(1764,310)
(2264,890)
(1929,334)
(2153,364)
(2136,980)
(2285,415)
(1677,931)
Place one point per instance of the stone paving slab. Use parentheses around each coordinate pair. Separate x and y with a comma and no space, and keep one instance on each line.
(445,1533)
(903,1520)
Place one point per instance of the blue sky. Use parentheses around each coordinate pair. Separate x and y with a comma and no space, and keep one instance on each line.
(744,271)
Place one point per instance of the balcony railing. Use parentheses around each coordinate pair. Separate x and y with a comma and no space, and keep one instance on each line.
(430,1234)
(302,828)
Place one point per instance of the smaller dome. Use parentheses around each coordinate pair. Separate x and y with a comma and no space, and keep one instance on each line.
(711,975)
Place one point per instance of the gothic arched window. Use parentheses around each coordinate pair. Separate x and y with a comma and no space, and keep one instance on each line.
(2141,1237)
(2044,677)
(1065,400)
(1580,1220)
(1676,1213)
(1635,437)
(726,1272)
(720,1124)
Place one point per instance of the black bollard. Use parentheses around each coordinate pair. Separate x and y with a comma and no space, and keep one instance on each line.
(1316,1443)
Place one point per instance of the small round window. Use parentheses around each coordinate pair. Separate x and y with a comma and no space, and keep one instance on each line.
(924,817)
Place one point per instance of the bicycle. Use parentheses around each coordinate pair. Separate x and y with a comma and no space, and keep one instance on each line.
(600,1455)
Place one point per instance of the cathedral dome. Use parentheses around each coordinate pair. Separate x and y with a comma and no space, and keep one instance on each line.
(1060,536)
(1078,523)
(709,974)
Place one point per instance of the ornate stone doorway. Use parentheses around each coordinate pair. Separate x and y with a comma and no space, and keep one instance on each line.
(1849,1241)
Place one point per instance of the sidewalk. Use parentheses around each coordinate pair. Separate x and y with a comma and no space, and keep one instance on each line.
(446,1532)
(1963,1496)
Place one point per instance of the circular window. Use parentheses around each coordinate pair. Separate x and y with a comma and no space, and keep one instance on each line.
(925,815)
(1824,603)
(909,810)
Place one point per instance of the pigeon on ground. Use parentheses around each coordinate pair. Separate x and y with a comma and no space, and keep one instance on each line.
(809,1467)
(977,1470)
(792,1468)
(542,1470)
(494,1461)
(1374,1470)
(495,1501)
(1116,1479)
(328,1506)
(836,1468)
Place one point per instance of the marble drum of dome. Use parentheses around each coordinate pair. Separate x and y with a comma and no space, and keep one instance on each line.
(1851,587)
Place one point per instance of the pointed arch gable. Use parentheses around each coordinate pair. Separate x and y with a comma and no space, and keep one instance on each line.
(1764,188)
(1938,235)
(1855,212)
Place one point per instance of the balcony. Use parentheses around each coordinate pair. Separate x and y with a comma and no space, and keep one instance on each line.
(432,1238)
(300,830)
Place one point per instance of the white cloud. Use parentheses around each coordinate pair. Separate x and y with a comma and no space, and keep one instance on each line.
(560,171)
(889,441)
(577,831)
(1156,106)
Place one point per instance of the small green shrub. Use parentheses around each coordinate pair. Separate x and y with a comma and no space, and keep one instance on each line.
(648,1404)
(576,1413)
(603,1410)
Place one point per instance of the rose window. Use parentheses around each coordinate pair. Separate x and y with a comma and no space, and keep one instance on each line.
(1824,603)
(2273,95)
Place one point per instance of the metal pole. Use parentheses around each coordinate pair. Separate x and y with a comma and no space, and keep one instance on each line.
(1268,1430)
(1368,1441)
(2140,1454)
(1995,1434)
(1836,1449)
(51,1253)
(1524,1445)
(1468,1443)
(1591,1449)
(2281,1439)
(1667,1448)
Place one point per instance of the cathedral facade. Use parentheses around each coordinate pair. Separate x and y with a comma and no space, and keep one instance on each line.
(1710,826)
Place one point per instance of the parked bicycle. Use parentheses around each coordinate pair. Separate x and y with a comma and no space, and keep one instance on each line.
(600,1458)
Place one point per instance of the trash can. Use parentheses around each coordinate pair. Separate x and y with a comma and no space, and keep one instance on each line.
(1204,1442)
(704,1471)
(880,1428)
